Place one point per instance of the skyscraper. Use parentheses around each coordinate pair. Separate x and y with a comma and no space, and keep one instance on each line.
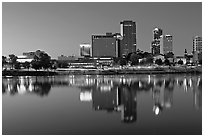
(197,44)
(155,45)
(157,33)
(197,49)
(128,32)
(105,45)
(167,44)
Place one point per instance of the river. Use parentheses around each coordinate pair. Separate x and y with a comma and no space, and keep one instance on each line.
(102,105)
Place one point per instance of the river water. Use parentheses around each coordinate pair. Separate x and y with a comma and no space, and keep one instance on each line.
(124,104)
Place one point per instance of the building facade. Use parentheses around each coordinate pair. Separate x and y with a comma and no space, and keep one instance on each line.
(155,47)
(197,44)
(197,49)
(129,42)
(156,42)
(85,49)
(167,44)
(105,45)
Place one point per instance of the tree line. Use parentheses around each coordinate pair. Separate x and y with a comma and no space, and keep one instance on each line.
(41,61)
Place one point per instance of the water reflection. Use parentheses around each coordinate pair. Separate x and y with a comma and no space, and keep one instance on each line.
(113,93)
(25,85)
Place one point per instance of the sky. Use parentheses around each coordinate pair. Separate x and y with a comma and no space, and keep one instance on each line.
(59,28)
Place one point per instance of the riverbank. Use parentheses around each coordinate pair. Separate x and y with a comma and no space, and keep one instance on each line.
(27,73)
(107,71)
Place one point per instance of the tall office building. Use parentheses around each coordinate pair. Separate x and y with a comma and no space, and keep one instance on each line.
(157,33)
(105,45)
(128,32)
(85,49)
(155,45)
(197,49)
(167,44)
(197,44)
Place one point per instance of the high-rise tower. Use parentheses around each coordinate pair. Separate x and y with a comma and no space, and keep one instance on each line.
(167,44)
(155,45)
(197,44)
(128,32)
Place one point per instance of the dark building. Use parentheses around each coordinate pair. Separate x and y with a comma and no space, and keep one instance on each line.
(85,49)
(105,45)
(156,43)
(128,32)
(155,47)
(167,44)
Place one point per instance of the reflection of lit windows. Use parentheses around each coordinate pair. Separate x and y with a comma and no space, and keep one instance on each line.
(21,89)
(105,88)
(157,109)
(185,85)
(168,104)
(86,96)
(140,84)
(10,87)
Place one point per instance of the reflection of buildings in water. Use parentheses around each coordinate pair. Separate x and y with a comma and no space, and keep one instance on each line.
(25,85)
(105,99)
(128,103)
(85,96)
(162,95)
(145,83)
(110,96)
(157,106)
(168,97)
(197,93)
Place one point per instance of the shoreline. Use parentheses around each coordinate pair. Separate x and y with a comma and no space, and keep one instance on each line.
(170,70)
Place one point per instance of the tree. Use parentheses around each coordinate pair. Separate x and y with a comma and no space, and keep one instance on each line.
(200,62)
(199,58)
(4,61)
(158,62)
(149,60)
(35,65)
(42,60)
(167,62)
(45,60)
(122,62)
(147,55)
(128,56)
(115,60)
(13,59)
(53,64)
(134,58)
(26,65)
(17,65)
(180,62)
(142,62)
(169,55)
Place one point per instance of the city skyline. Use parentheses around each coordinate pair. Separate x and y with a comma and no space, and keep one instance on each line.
(60,28)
